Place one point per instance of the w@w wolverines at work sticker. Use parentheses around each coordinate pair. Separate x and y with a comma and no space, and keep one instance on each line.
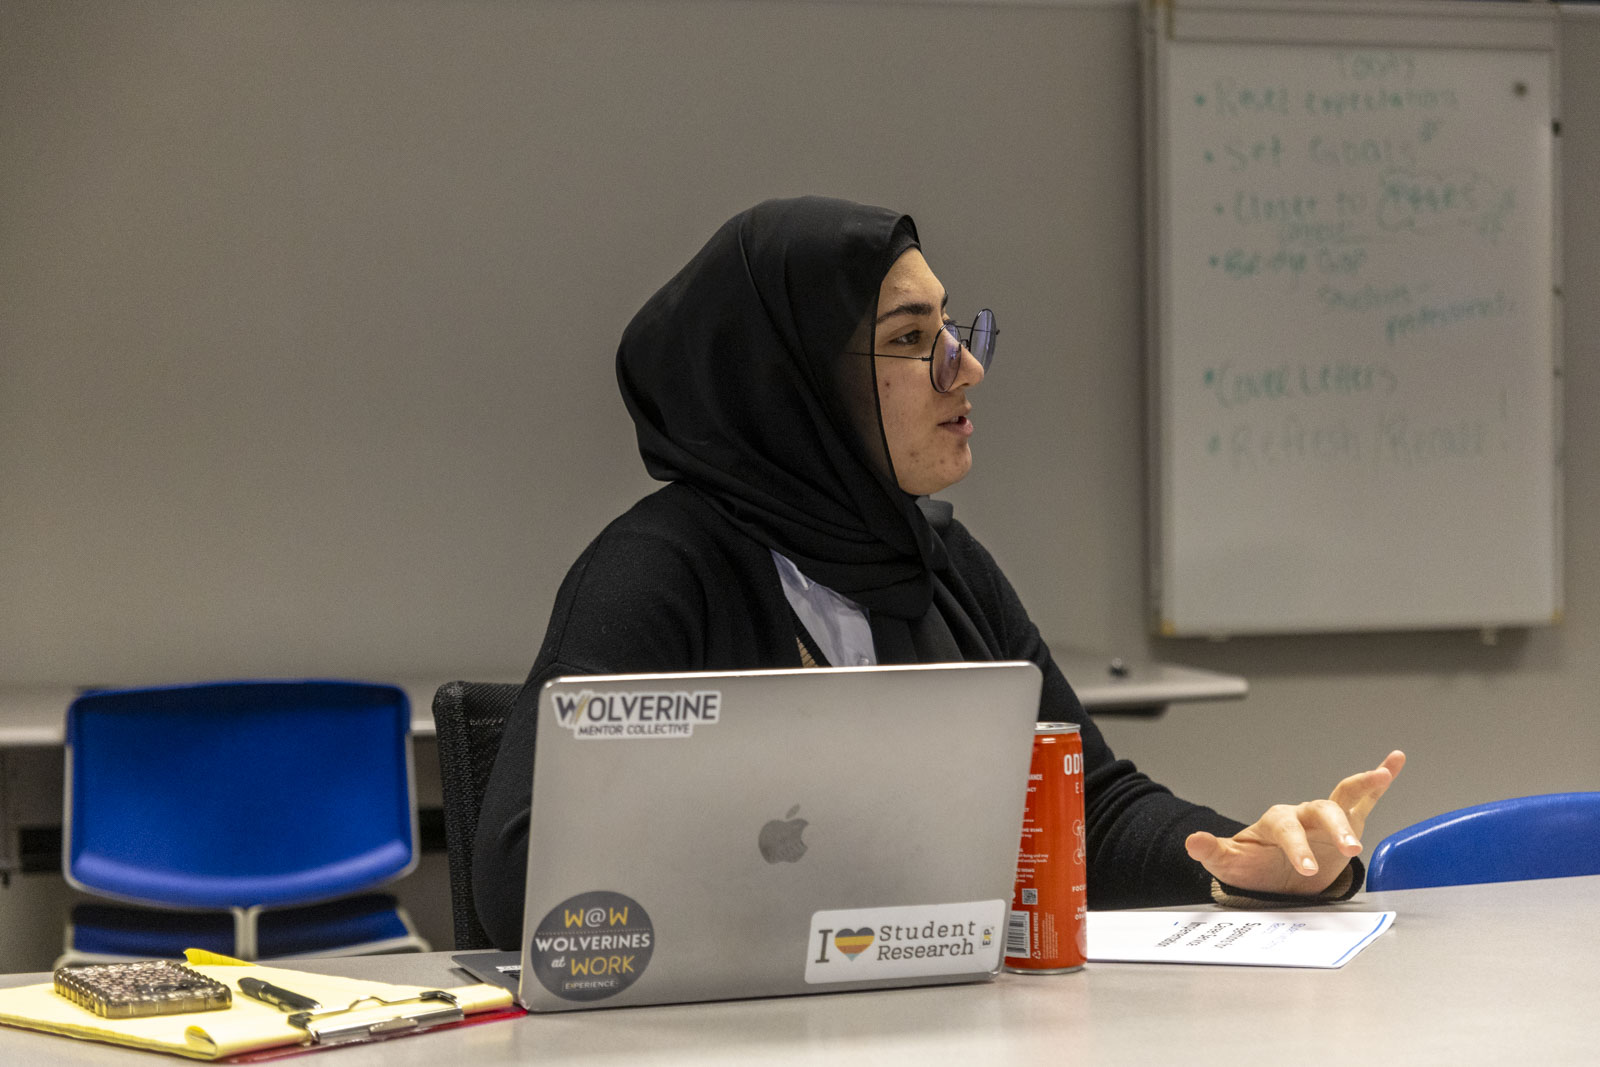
(592,946)
(862,944)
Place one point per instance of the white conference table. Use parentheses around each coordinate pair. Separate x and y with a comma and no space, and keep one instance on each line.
(1488,974)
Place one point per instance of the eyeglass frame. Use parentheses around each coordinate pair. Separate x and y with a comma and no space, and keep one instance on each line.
(954,331)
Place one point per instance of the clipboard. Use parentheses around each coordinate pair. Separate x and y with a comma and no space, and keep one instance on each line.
(249,1030)
(373,1017)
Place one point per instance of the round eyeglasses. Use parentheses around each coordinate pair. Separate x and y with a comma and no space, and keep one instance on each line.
(944,358)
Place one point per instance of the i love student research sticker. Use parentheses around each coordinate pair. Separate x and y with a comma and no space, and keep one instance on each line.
(865,944)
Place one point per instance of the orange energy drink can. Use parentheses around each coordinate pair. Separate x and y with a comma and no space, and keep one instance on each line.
(1045,933)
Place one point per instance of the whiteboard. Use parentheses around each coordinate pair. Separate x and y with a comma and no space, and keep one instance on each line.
(1353,325)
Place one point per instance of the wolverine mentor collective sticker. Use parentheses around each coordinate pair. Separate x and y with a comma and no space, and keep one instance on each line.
(866,944)
(592,946)
(632,715)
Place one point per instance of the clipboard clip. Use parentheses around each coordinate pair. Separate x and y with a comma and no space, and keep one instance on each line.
(435,1007)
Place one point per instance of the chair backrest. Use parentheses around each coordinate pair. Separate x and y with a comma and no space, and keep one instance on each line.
(238,794)
(1554,835)
(470,717)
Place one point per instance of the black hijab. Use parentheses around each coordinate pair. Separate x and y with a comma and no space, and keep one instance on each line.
(742,381)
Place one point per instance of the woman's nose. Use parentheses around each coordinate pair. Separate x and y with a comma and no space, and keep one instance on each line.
(972,371)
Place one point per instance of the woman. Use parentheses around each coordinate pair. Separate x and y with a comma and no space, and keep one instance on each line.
(798,386)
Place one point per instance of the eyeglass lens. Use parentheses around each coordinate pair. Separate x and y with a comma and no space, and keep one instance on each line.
(946,364)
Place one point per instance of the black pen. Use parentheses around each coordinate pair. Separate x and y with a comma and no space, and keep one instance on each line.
(276,995)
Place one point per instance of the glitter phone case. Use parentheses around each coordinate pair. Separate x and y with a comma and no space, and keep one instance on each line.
(147,987)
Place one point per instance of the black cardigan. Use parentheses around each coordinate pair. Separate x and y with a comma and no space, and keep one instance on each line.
(672,586)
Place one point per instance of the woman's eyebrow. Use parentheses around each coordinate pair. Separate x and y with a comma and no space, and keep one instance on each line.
(913,307)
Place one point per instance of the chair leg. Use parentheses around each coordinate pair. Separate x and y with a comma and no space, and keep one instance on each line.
(244,932)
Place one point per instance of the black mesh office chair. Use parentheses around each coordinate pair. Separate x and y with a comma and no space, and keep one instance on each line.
(470,717)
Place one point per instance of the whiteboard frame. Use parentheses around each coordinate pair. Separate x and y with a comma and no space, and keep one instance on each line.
(1448,24)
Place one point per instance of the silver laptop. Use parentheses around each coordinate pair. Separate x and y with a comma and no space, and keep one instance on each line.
(760,833)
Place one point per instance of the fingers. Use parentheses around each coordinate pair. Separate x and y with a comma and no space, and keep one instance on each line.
(1292,828)
(1326,819)
(1283,823)
(1290,836)
(1360,793)
(1203,847)
(1218,855)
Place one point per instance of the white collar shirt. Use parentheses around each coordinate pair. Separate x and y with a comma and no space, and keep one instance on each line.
(837,625)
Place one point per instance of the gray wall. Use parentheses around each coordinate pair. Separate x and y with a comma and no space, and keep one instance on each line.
(307,312)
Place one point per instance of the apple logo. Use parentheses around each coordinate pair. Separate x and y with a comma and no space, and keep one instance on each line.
(780,838)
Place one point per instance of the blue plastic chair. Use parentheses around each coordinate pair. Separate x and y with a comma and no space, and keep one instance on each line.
(1554,835)
(253,806)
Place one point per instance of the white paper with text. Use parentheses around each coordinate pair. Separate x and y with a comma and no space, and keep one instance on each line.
(1249,938)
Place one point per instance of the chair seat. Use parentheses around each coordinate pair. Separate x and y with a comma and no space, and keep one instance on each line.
(219,888)
(101,930)
(358,925)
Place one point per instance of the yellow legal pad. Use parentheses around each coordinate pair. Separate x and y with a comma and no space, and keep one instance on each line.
(247,1026)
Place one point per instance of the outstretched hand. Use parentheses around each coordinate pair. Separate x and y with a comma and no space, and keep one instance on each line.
(1298,848)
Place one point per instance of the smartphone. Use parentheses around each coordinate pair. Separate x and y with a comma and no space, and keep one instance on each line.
(144,987)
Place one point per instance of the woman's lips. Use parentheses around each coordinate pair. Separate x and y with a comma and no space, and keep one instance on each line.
(959,425)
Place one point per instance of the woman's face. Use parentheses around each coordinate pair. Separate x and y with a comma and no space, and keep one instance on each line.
(927,431)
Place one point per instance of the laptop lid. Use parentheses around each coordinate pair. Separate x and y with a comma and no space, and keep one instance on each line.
(719,835)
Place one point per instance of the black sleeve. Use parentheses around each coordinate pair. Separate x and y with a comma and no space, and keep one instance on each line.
(626,605)
(1136,827)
